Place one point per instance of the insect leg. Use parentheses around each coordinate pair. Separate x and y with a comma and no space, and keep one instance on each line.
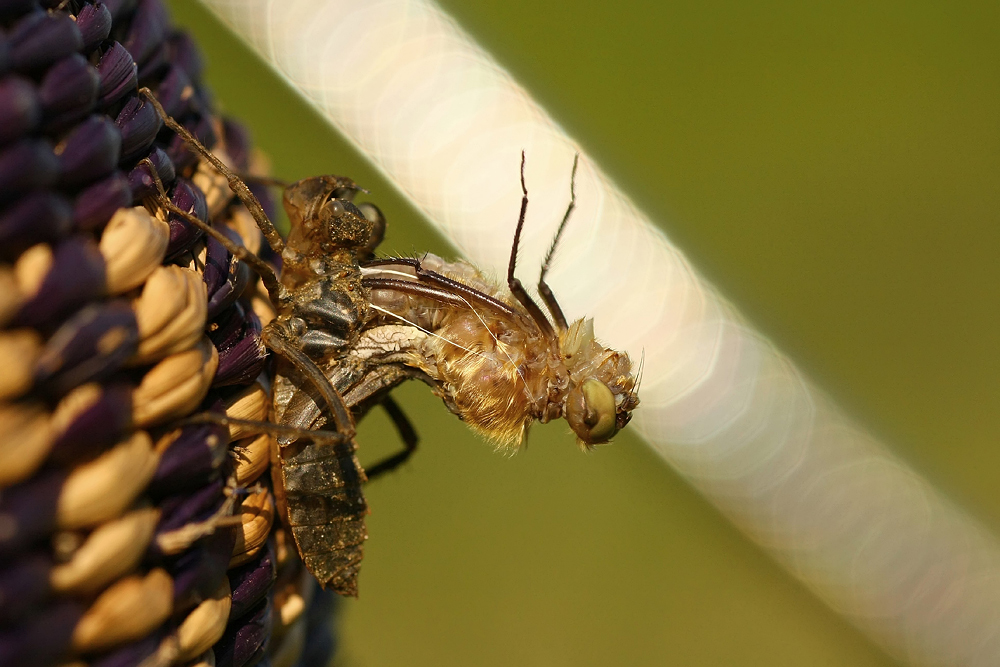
(269,181)
(276,340)
(277,291)
(269,428)
(238,186)
(373,389)
(543,287)
(406,433)
(515,286)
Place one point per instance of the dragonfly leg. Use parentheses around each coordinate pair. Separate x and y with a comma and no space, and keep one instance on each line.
(270,428)
(515,286)
(406,433)
(543,287)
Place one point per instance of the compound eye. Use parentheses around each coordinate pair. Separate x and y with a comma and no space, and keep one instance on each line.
(591,413)
(336,208)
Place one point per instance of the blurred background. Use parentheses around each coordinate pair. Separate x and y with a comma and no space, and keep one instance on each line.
(835,170)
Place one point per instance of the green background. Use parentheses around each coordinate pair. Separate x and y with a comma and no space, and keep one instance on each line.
(835,169)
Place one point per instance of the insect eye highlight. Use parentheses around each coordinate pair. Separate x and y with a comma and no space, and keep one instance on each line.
(336,208)
(591,412)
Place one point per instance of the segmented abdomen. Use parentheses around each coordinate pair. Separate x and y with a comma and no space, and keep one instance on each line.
(326,510)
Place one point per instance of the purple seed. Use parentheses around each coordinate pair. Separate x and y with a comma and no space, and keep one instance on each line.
(69,88)
(43,639)
(119,74)
(320,643)
(237,141)
(41,38)
(26,164)
(175,92)
(186,55)
(20,110)
(198,572)
(225,276)
(139,124)
(132,655)
(188,197)
(242,354)
(76,276)
(28,511)
(119,8)
(259,658)
(179,510)
(96,427)
(182,155)
(4,54)
(23,585)
(136,654)
(147,30)
(190,460)
(40,216)
(95,205)
(94,22)
(89,347)
(13,8)
(320,646)
(218,263)
(151,70)
(90,151)
(251,582)
(141,179)
(244,637)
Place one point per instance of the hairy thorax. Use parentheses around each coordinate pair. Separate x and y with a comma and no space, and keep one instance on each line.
(496,372)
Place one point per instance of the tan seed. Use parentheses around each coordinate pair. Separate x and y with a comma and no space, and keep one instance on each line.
(133,245)
(31,268)
(170,313)
(10,294)
(204,625)
(253,404)
(110,551)
(19,351)
(257,514)
(26,436)
(130,609)
(251,457)
(102,489)
(176,385)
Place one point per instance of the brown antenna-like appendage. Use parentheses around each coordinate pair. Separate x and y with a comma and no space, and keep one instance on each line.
(237,185)
(274,287)
(267,274)
(515,286)
(543,287)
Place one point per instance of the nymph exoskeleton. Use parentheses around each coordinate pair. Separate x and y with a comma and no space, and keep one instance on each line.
(348,329)
(320,307)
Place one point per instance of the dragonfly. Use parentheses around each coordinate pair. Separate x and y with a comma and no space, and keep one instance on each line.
(350,327)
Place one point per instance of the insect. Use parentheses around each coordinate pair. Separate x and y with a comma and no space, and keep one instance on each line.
(349,328)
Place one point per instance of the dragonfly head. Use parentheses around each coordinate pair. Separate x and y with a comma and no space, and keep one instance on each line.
(602,393)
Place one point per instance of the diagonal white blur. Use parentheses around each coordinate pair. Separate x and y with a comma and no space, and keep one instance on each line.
(719,402)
